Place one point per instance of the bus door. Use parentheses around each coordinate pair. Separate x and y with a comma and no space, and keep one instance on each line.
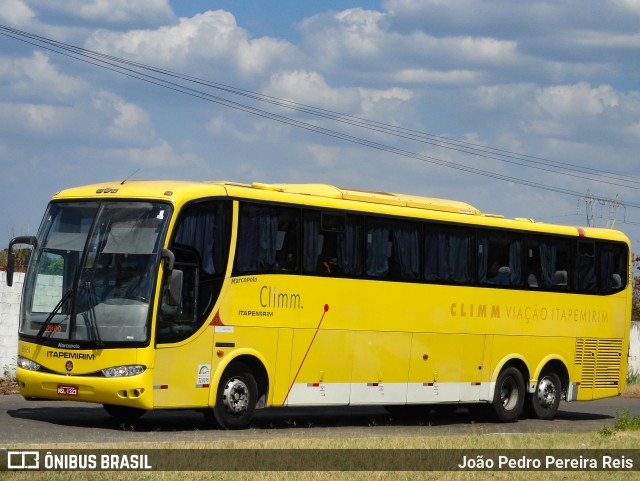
(184,334)
(182,368)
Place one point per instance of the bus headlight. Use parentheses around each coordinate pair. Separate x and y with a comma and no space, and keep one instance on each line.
(27,364)
(124,371)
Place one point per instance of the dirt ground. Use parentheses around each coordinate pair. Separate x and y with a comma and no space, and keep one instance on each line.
(8,386)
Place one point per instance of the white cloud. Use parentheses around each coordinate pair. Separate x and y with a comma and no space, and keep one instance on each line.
(594,39)
(109,12)
(426,76)
(35,77)
(124,121)
(364,45)
(221,126)
(210,42)
(308,87)
(577,101)
(15,12)
(32,118)
(161,154)
(628,6)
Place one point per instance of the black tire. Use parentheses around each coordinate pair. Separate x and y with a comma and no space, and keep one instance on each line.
(123,413)
(509,396)
(236,397)
(544,402)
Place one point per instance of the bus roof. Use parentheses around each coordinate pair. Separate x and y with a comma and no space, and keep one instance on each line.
(387,198)
(180,192)
(168,189)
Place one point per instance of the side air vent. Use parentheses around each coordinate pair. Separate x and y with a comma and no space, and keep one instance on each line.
(600,360)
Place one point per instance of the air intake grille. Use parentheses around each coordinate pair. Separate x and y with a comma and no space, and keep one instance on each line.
(600,360)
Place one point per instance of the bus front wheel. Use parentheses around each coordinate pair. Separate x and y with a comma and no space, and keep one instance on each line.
(544,402)
(508,399)
(236,397)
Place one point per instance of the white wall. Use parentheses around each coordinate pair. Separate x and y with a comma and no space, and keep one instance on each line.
(634,348)
(9,315)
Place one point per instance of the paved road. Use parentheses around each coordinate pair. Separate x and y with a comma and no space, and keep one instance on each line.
(47,422)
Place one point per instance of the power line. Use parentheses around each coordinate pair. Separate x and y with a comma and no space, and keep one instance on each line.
(139,71)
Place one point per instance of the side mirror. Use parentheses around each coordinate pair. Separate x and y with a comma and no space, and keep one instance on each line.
(173,293)
(170,257)
(174,288)
(11,257)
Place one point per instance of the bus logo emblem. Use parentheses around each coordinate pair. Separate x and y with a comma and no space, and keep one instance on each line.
(69,366)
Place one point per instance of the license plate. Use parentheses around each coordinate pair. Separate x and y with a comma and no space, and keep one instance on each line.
(68,390)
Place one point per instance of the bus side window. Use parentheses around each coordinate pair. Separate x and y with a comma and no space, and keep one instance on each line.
(312,241)
(267,239)
(378,248)
(500,259)
(332,244)
(584,269)
(349,246)
(613,267)
(406,251)
(547,262)
(447,254)
(393,249)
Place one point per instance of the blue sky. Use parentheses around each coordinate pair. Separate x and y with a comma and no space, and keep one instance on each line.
(542,93)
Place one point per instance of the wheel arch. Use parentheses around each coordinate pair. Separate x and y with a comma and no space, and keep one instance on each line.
(552,363)
(254,361)
(516,361)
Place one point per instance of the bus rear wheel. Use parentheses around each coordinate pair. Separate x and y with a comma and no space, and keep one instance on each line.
(544,402)
(508,399)
(236,397)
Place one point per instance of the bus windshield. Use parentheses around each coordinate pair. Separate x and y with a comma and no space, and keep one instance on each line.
(92,275)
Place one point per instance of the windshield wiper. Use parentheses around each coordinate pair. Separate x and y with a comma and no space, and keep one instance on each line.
(91,315)
(53,313)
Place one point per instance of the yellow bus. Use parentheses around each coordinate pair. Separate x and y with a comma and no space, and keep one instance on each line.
(226,297)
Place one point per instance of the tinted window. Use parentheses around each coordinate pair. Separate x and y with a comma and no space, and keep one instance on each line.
(267,239)
(447,254)
(500,258)
(393,249)
(548,262)
(332,244)
(613,267)
(584,273)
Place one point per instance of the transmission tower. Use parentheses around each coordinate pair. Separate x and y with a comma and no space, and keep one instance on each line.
(612,204)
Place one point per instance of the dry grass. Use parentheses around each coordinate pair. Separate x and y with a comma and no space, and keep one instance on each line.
(632,390)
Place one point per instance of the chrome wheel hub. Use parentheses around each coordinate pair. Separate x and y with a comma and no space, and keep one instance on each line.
(235,396)
(546,393)
(509,394)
